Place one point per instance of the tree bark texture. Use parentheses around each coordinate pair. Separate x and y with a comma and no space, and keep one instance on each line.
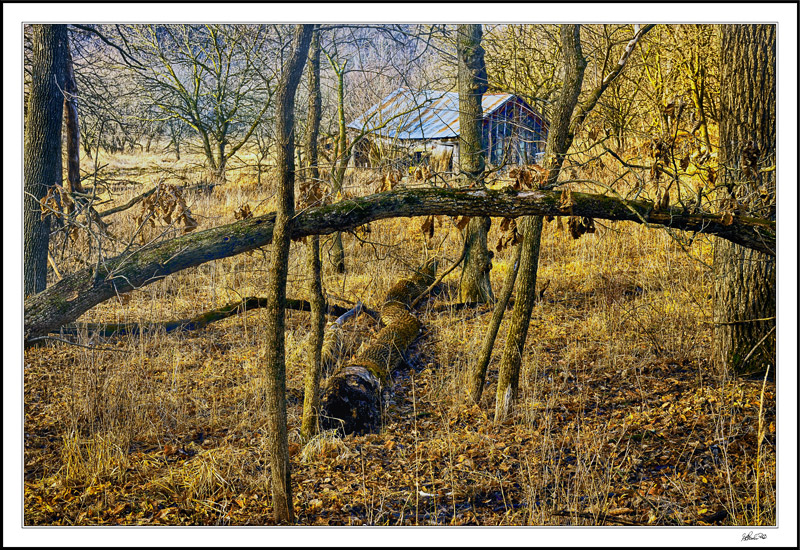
(274,352)
(559,140)
(472,84)
(477,377)
(337,246)
(508,376)
(72,126)
(475,285)
(351,401)
(559,133)
(42,164)
(744,279)
(310,422)
(76,293)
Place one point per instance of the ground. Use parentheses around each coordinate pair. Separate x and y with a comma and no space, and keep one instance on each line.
(622,418)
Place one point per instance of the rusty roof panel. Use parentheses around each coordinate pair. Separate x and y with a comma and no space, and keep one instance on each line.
(420,115)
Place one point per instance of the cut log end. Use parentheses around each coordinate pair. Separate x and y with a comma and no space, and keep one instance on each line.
(351,401)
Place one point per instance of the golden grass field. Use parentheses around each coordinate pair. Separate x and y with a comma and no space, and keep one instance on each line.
(622,419)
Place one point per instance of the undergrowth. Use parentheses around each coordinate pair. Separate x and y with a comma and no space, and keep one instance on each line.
(622,419)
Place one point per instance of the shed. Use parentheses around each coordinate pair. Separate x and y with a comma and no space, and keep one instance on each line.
(428,121)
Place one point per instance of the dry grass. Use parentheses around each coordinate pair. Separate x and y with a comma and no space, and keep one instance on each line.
(621,419)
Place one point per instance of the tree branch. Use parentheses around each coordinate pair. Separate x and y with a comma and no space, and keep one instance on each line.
(75,294)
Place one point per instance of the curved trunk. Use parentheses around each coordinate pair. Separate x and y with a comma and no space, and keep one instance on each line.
(76,293)
(744,280)
(274,352)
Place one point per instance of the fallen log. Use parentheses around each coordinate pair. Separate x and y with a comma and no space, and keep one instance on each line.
(351,399)
(333,338)
(198,321)
(76,293)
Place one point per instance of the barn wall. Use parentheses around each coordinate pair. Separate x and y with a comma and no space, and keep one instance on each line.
(514,129)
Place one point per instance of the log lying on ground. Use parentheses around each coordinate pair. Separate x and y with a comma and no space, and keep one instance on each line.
(351,399)
(333,339)
(198,321)
(75,294)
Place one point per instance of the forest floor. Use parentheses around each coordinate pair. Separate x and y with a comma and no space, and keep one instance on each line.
(622,419)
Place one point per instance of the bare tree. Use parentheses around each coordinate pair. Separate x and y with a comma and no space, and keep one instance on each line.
(316,297)
(472,84)
(568,117)
(43,169)
(213,78)
(274,357)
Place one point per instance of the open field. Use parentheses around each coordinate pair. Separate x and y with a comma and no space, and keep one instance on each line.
(622,419)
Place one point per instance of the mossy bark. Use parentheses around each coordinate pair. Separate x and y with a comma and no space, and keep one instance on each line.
(351,401)
(477,376)
(76,293)
(559,140)
(508,377)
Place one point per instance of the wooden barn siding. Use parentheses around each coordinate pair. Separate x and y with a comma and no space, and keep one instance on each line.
(515,127)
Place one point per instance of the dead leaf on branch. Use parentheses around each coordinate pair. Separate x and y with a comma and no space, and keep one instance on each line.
(567,202)
(169,206)
(427,227)
(580,225)
(243,212)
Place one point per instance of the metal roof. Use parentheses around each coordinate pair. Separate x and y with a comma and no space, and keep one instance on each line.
(424,114)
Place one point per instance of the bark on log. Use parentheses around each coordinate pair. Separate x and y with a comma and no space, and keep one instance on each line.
(351,400)
(75,294)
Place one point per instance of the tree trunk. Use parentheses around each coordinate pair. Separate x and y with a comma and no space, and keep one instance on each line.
(559,140)
(72,125)
(313,373)
(42,147)
(508,377)
(341,161)
(744,280)
(475,283)
(274,355)
(75,294)
(477,377)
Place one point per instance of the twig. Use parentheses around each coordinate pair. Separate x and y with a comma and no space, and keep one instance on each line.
(752,351)
(128,204)
(438,279)
(93,348)
(602,518)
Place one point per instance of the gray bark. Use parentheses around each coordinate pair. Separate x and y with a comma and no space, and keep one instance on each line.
(42,164)
(744,279)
